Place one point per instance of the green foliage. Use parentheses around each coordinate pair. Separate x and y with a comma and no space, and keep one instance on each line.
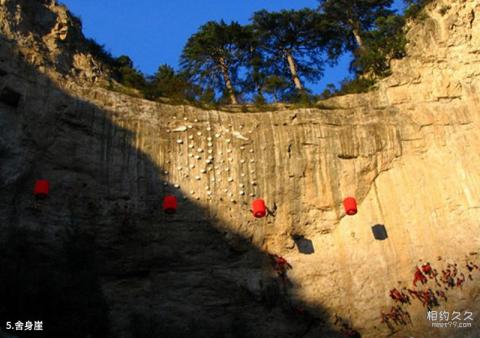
(303,35)
(386,42)
(212,56)
(125,73)
(268,59)
(259,100)
(276,86)
(355,16)
(207,96)
(60,286)
(99,52)
(301,98)
(170,84)
(353,86)
(329,91)
(347,86)
(415,8)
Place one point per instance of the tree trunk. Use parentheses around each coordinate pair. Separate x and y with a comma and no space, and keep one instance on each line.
(293,70)
(358,38)
(228,82)
(356,30)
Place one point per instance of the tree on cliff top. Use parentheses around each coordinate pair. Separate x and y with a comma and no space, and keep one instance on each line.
(294,43)
(356,17)
(213,56)
(166,82)
(125,73)
(386,42)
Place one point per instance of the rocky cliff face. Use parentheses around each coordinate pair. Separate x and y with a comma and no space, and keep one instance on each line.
(408,151)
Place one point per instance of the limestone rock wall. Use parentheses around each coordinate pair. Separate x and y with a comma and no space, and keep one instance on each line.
(408,151)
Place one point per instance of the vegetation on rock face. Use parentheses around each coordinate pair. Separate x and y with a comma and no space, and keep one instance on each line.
(270,59)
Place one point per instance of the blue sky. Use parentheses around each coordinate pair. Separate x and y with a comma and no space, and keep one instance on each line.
(153,32)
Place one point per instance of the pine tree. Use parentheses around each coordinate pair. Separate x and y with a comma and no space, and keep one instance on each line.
(166,82)
(125,72)
(386,42)
(213,55)
(356,17)
(294,43)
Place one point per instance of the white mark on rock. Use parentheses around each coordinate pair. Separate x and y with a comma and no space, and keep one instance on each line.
(180,129)
(239,136)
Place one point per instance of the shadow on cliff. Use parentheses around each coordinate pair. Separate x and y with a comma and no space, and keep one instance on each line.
(99,258)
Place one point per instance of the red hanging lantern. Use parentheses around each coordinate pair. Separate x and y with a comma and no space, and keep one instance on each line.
(259,209)
(170,204)
(41,189)
(350,205)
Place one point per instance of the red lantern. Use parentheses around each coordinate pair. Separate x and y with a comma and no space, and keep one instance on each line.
(41,189)
(170,204)
(350,205)
(258,208)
